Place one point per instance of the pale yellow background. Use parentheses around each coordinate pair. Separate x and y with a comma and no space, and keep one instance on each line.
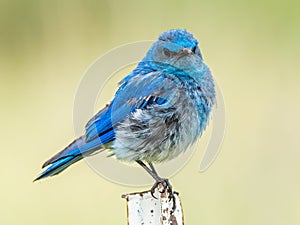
(252,48)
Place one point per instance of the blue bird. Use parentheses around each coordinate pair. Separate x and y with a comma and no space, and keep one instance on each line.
(160,109)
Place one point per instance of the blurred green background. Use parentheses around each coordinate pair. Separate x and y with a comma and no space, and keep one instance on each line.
(253,50)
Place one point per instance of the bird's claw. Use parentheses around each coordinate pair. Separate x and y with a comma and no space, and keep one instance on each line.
(153,189)
(166,186)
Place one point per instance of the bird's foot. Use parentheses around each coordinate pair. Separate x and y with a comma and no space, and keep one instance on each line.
(166,187)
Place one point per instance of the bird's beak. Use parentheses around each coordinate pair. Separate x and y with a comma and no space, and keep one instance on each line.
(187,51)
(184,52)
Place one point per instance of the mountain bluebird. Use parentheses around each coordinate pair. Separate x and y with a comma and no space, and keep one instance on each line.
(159,110)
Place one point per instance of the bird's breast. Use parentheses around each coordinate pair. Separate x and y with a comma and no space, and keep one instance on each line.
(160,133)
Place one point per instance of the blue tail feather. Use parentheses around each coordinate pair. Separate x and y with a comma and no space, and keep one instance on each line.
(73,153)
(58,166)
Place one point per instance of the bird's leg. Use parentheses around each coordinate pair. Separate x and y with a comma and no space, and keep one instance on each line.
(152,173)
(152,167)
(163,181)
(166,184)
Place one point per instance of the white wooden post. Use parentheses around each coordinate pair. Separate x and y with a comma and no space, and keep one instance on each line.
(143,209)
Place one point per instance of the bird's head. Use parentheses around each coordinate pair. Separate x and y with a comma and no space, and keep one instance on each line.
(175,51)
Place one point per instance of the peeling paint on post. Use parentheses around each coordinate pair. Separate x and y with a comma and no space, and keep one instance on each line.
(143,209)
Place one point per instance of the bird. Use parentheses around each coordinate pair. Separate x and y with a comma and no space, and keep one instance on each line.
(160,109)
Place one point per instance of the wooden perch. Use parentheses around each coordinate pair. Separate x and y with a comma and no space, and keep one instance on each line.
(144,209)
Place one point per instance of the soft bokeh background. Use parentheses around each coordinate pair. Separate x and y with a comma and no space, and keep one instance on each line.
(253,50)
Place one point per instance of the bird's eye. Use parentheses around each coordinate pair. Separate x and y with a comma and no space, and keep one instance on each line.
(194,49)
(167,52)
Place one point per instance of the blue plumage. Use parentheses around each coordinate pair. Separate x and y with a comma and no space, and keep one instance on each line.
(160,108)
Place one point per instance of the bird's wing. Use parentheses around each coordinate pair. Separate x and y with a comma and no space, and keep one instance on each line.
(138,92)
